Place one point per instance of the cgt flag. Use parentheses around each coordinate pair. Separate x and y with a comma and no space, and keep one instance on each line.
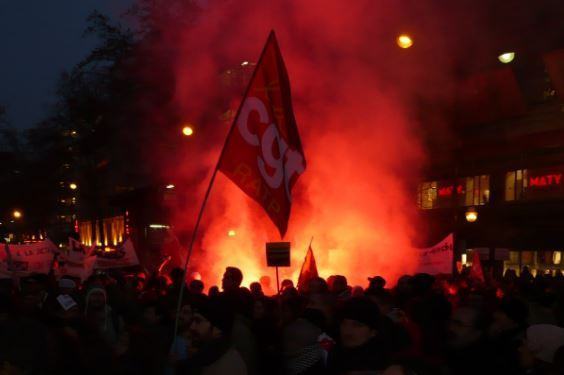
(263,153)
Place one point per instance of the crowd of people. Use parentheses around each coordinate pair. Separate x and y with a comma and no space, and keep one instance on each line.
(117,323)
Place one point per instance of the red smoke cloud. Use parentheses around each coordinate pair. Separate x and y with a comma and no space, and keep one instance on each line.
(349,86)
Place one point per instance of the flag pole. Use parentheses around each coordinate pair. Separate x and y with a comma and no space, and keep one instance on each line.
(208,191)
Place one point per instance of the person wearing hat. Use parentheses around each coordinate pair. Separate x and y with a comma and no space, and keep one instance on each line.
(361,346)
(210,331)
(376,283)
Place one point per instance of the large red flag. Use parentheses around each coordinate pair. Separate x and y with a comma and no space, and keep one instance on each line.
(263,153)
(309,269)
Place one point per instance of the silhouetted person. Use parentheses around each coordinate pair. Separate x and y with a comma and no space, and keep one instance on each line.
(362,347)
(196,287)
(256,290)
(214,291)
(232,279)
(210,329)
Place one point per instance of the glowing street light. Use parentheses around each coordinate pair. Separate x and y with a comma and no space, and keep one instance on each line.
(187,130)
(244,63)
(170,186)
(231,233)
(506,57)
(73,186)
(404,41)
(17,214)
(471,215)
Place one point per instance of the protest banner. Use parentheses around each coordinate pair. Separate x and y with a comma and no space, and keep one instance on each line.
(437,259)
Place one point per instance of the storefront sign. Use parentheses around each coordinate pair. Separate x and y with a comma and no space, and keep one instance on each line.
(450,193)
(544,183)
(545,180)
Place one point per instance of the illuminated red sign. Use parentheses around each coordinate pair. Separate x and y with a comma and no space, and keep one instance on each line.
(545,180)
(447,191)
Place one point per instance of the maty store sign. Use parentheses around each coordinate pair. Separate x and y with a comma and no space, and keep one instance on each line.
(545,183)
(437,259)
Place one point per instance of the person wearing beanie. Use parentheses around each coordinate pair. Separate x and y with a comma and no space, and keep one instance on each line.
(361,346)
(210,330)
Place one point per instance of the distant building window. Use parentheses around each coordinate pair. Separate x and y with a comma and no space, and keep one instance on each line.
(477,190)
(515,184)
(427,195)
(467,191)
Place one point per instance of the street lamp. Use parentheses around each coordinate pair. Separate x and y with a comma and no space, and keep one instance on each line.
(506,57)
(471,215)
(404,41)
(73,186)
(187,130)
(170,186)
(17,214)
(231,233)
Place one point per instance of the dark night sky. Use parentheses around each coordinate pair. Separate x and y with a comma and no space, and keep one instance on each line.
(38,40)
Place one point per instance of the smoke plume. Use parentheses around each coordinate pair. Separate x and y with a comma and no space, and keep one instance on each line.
(351,89)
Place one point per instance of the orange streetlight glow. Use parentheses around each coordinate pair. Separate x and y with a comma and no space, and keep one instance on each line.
(471,215)
(73,186)
(231,233)
(404,41)
(187,131)
(17,214)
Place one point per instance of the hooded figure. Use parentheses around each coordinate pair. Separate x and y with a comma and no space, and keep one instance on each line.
(100,315)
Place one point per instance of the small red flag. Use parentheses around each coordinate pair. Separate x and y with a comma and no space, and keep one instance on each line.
(476,272)
(309,269)
(263,153)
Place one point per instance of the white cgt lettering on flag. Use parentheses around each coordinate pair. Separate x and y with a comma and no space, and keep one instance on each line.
(288,163)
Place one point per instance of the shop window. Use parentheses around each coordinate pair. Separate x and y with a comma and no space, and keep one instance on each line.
(515,184)
(477,190)
(557,257)
(427,195)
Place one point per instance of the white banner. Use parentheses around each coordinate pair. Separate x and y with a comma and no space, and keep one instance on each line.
(23,260)
(124,256)
(437,259)
(76,264)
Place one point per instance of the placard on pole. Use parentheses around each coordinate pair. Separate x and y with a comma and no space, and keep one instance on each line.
(278,255)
